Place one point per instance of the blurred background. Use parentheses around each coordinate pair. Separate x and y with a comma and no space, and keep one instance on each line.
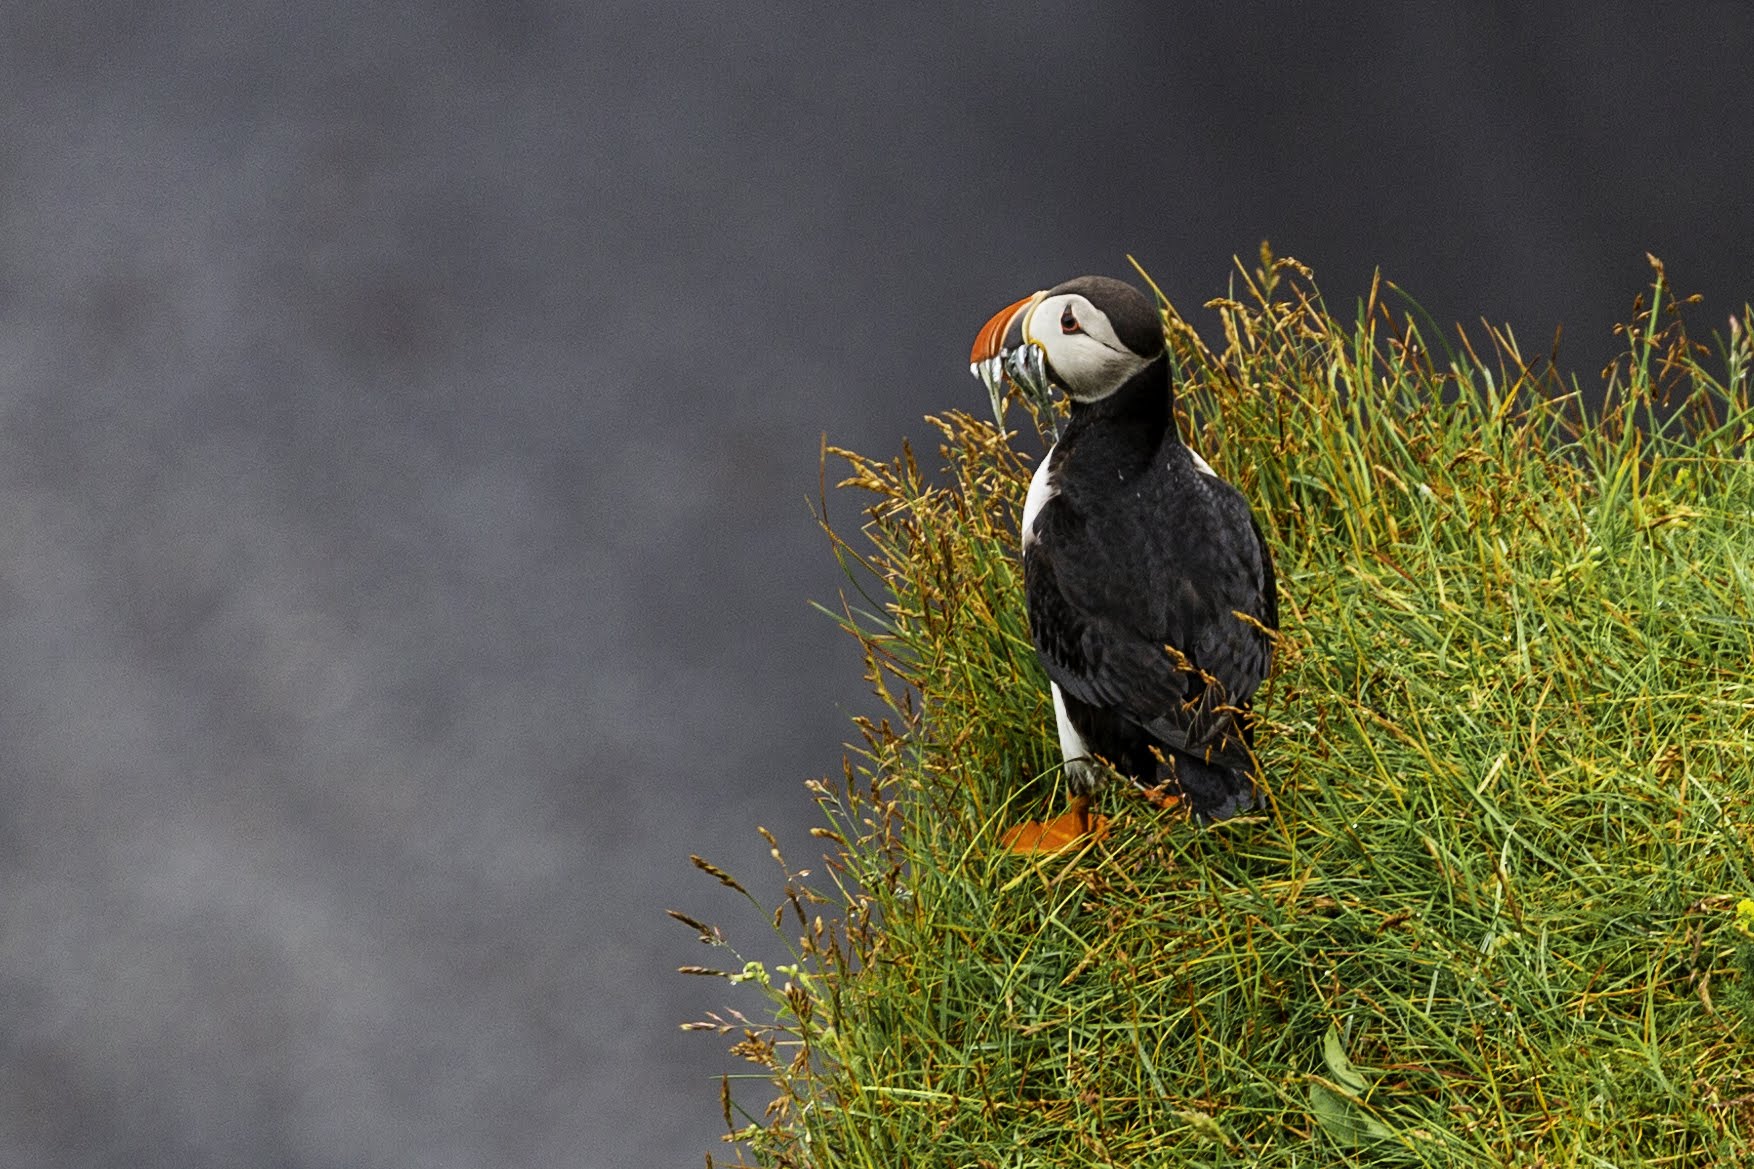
(407,419)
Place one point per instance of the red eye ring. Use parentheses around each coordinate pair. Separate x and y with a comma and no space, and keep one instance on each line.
(1068,322)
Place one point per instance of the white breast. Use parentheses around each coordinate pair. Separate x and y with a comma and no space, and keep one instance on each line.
(1041,489)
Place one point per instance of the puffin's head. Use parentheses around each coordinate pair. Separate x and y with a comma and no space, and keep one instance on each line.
(1088,336)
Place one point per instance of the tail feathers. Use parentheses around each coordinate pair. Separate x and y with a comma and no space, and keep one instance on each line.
(1212,790)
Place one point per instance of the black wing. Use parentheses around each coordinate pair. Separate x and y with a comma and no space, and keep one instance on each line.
(1149,626)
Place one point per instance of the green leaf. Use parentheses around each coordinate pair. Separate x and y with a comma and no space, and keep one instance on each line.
(1339,1067)
(1341,1116)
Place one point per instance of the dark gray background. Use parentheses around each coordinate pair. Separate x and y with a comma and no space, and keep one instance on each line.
(407,414)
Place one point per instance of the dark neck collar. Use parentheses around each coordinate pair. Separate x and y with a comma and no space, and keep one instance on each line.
(1144,401)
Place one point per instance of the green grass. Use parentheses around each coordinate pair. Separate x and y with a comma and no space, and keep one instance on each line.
(1491,915)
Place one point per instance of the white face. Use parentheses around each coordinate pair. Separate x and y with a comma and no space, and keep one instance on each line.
(1087,359)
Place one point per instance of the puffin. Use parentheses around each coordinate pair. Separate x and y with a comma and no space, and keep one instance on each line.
(1149,586)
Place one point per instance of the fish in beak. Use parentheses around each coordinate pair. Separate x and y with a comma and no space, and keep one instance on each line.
(1002,350)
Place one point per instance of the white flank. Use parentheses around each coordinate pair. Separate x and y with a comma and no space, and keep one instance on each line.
(1202,465)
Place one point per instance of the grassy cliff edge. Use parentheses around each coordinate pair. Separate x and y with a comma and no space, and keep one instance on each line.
(1501,908)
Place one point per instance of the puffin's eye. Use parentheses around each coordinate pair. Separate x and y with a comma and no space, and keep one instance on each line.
(1069,323)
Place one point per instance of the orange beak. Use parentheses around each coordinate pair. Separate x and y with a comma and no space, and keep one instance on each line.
(990,341)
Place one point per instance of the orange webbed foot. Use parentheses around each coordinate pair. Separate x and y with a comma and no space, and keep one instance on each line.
(1072,828)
